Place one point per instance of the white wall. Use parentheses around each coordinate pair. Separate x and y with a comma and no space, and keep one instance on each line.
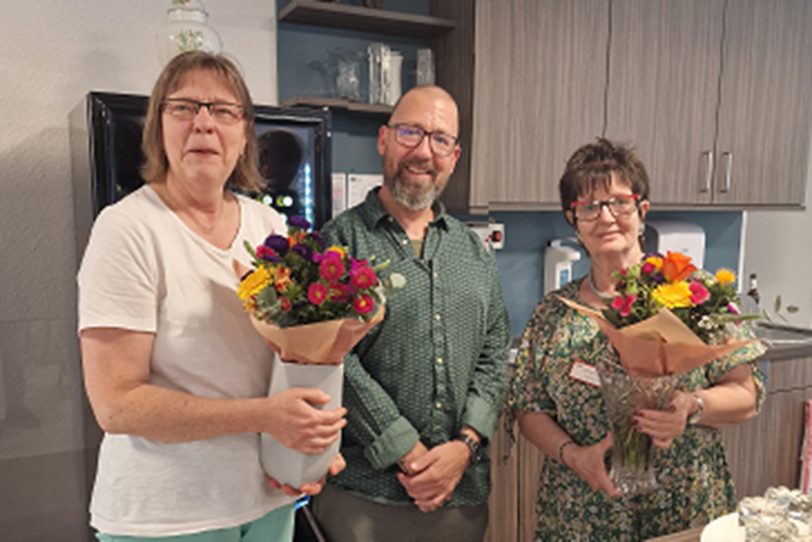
(778,249)
(53,52)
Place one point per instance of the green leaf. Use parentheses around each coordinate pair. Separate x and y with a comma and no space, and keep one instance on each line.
(778,303)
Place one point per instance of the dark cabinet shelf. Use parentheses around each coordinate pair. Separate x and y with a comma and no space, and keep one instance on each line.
(376,110)
(364,19)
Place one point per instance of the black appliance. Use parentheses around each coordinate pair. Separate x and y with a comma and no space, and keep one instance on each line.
(105,134)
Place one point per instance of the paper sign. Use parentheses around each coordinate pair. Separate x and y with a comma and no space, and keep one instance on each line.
(359,185)
(339,189)
(586,373)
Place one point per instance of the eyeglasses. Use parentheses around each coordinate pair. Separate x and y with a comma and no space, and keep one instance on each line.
(186,110)
(411,136)
(618,206)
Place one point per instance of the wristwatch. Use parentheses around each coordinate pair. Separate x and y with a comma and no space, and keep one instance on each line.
(474,446)
(694,418)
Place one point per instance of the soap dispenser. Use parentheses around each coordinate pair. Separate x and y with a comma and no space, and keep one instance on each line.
(558,260)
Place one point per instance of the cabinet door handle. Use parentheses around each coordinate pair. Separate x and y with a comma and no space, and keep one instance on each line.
(728,158)
(706,186)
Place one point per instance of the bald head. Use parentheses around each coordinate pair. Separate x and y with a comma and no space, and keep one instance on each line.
(427,98)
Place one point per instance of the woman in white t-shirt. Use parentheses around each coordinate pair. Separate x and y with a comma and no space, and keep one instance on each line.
(175,373)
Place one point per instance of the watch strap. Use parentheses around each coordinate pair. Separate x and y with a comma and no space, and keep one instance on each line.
(695,418)
(474,446)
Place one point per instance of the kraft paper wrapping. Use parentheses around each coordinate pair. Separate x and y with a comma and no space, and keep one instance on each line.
(321,343)
(313,355)
(660,345)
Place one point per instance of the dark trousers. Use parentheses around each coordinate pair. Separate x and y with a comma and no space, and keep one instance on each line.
(345,517)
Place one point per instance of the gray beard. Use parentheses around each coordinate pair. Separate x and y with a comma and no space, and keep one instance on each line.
(412,201)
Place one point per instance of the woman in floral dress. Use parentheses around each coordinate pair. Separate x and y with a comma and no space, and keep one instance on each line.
(555,395)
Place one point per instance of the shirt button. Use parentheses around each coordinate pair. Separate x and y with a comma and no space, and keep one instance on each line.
(437,317)
(390,219)
(435,274)
(438,404)
(404,242)
(439,360)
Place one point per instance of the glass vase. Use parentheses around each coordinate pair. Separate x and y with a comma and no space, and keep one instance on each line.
(632,457)
(186,29)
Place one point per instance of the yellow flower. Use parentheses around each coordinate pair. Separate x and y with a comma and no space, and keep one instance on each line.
(673,295)
(252,285)
(655,261)
(338,250)
(725,276)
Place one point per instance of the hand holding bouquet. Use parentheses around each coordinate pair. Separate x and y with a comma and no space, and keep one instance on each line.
(667,318)
(312,303)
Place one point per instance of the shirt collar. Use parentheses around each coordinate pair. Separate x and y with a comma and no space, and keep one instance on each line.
(374,211)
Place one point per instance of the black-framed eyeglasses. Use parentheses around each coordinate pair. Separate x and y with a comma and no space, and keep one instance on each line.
(618,206)
(410,135)
(184,109)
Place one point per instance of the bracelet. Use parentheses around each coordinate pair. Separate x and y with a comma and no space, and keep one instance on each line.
(561,450)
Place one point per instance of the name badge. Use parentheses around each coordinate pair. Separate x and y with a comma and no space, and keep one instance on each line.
(586,373)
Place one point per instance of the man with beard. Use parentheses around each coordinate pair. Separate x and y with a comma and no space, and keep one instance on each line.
(425,388)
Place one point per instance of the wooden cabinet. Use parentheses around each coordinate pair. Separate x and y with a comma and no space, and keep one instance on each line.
(713,95)
(539,81)
(663,89)
(765,451)
(512,504)
(765,112)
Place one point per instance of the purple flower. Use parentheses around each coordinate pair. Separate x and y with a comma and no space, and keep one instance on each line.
(320,241)
(304,251)
(298,222)
(277,243)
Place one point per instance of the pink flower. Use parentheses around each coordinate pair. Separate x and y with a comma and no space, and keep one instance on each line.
(331,267)
(699,294)
(732,308)
(363,304)
(363,277)
(648,268)
(265,253)
(355,264)
(624,304)
(317,293)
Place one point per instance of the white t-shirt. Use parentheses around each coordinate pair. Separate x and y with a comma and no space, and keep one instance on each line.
(145,270)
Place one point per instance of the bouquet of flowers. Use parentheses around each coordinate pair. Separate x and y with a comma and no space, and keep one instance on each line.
(667,318)
(312,303)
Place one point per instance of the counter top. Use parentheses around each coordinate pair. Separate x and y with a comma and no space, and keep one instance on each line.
(782,351)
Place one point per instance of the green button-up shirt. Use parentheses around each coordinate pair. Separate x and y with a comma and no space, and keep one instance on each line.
(436,363)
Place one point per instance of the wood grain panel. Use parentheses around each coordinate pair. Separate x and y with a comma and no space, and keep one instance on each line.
(790,374)
(528,469)
(540,75)
(766,111)
(765,451)
(503,519)
(454,59)
(665,60)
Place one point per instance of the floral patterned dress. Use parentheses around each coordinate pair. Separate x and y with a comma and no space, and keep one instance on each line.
(694,480)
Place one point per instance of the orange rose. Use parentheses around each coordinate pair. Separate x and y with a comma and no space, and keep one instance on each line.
(677,266)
